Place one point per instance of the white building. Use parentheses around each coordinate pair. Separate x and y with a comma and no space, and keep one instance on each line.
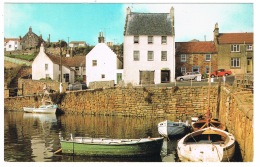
(102,64)
(48,66)
(11,44)
(149,48)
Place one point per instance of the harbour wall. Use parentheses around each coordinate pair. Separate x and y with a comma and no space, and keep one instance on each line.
(169,102)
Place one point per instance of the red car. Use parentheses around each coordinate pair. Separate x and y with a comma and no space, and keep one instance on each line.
(220,73)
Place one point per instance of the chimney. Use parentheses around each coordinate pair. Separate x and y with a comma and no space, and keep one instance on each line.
(42,48)
(172,19)
(30,29)
(216,30)
(128,11)
(101,38)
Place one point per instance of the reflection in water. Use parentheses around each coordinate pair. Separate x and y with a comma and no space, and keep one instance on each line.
(35,137)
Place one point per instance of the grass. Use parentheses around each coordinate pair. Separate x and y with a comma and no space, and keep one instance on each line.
(23,57)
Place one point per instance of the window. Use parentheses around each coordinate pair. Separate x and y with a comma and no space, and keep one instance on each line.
(150,39)
(235,62)
(136,39)
(10,46)
(136,55)
(207,57)
(249,47)
(46,66)
(164,39)
(183,58)
(235,48)
(77,68)
(94,62)
(207,69)
(183,70)
(103,76)
(150,56)
(164,56)
(84,69)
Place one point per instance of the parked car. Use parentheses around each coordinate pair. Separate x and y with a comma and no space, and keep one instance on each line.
(189,76)
(220,73)
(76,86)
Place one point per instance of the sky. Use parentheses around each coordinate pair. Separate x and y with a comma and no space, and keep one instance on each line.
(83,21)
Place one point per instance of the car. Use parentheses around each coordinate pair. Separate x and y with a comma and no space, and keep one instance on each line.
(220,73)
(189,76)
(76,86)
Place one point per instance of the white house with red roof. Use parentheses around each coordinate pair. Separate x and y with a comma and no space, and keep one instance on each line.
(12,44)
(49,66)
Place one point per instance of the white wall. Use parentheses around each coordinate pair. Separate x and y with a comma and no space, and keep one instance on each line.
(106,64)
(132,68)
(11,46)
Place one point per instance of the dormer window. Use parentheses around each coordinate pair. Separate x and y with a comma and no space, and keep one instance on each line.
(235,48)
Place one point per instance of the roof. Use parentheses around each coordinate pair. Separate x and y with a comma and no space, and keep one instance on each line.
(77,61)
(195,47)
(11,39)
(148,24)
(236,38)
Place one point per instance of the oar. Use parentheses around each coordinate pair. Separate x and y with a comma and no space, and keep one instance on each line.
(59,150)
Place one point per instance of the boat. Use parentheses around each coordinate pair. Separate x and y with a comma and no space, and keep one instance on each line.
(206,145)
(207,121)
(169,128)
(47,109)
(111,147)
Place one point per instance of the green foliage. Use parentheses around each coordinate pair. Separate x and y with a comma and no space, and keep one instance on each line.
(47,79)
(79,79)
(22,57)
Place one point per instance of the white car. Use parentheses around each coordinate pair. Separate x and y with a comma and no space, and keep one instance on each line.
(188,76)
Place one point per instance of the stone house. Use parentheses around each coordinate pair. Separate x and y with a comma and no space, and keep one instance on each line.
(235,51)
(149,48)
(12,44)
(102,64)
(31,40)
(196,56)
(49,66)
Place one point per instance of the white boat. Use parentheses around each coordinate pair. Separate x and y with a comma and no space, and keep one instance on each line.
(206,145)
(169,128)
(42,109)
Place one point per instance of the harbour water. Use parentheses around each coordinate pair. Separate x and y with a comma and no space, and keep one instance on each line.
(35,137)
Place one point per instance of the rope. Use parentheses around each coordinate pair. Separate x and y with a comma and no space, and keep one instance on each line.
(217,150)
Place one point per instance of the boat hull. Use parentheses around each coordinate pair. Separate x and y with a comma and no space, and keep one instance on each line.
(49,109)
(114,147)
(204,150)
(169,128)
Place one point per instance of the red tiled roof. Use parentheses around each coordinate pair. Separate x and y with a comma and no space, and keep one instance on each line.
(11,39)
(236,38)
(77,61)
(195,47)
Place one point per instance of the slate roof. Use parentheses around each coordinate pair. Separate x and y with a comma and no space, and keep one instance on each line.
(235,38)
(195,47)
(148,24)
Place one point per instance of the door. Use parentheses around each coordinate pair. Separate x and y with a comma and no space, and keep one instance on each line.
(165,76)
(249,66)
(146,77)
(118,77)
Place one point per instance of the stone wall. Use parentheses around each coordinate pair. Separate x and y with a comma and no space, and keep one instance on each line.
(237,112)
(31,87)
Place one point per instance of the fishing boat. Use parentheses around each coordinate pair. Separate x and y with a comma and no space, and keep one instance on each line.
(47,107)
(206,145)
(44,109)
(169,128)
(111,147)
(207,121)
